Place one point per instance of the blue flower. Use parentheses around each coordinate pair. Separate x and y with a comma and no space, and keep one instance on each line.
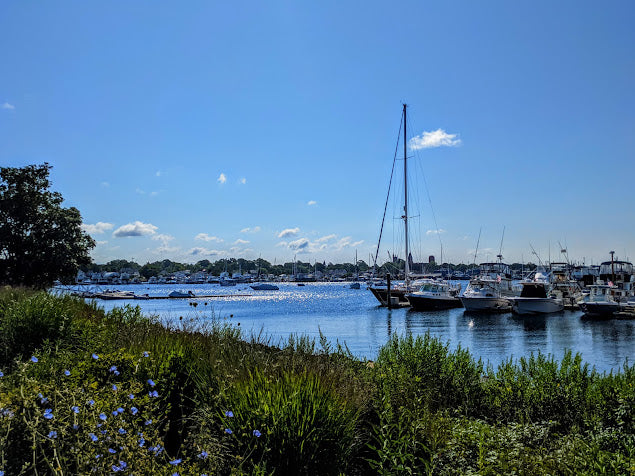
(1,375)
(176,461)
(151,382)
(229,414)
(146,354)
(48,414)
(257,434)
(75,409)
(113,368)
(93,437)
(67,372)
(131,396)
(43,399)
(228,431)
(34,359)
(123,464)
(75,427)
(114,413)
(120,410)
(98,456)
(122,431)
(103,432)
(134,410)
(202,455)
(95,356)
(116,468)
(114,387)
(91,402)
(153,393)
(103,417)
(1,473)
(111,451)
(52,434)
(148,422)
(142,442)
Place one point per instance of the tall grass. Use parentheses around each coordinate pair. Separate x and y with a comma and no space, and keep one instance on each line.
(295,407)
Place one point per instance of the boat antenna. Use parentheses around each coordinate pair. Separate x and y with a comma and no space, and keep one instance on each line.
(405,188)
(477,243)
(563,250)
(533,251)
(500,249)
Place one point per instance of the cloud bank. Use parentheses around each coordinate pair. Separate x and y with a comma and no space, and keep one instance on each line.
(438,138)
(135,229)
(288,232)
(98,228)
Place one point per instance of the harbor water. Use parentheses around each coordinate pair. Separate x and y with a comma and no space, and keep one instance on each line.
(353,317)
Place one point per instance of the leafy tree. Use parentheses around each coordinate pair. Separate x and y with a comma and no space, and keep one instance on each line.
(40,241)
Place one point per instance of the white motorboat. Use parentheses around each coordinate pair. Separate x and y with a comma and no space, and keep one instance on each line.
(181,294)
(264,287)
(536,297)
(613,292)
(432,295)
(491,290)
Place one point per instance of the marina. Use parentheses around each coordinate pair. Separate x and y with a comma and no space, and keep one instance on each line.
(353,318)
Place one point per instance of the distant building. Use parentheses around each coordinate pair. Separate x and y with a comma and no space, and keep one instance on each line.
(431,259)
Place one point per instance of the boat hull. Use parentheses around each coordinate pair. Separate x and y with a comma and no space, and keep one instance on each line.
(603,309)
(381,294)
(486,304)
(426,303)
(525,306)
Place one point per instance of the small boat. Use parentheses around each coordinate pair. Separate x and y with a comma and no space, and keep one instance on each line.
(109,295)
(181,294)
(264,287)
(354,285)
(491,290)
(433,295)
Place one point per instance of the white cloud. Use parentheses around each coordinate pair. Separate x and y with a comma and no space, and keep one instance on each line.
(200,251)
(158,173)
(135,229)
(346,243)
(8,106)
(165,239)
(282,244)
(241,242)
(288,232)
(154,194)
(222,178)
(101,242)
(243,181)
(311,203)
(255,229)
(435,232)
(139,191)
(300,244)
(206,237)
(438,138)
(98,228)
(326,238)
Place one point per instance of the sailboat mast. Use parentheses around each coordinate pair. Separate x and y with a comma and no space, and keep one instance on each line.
(405,187)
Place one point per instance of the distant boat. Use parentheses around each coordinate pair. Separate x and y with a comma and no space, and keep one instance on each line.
(491,290)
(264,287)
(354,285)
(536,297)
(108,295)
(181,294)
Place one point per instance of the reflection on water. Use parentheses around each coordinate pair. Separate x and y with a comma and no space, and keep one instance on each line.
(352,316)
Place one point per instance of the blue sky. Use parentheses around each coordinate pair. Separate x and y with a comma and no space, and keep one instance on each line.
(200,130)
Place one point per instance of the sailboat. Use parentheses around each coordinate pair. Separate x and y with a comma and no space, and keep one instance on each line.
(389,295)
(355,283)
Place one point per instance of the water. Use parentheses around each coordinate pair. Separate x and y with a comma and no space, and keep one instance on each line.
(352,316)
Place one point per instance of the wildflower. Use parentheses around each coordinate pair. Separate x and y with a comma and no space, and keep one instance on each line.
(43,399)
(123,464)
(228,431)
(176,462)
(103,417)
(91,402)
(103,432)
(93,437)
(48,414)
(153,393)
(67,372)
(75,427)
(115,413)
(134,410)
(1,375)
(114,387)
(151,382)
(95,356)
(148,422)
(113,368)
(146,354)
(142,442)
(98,456)
(257,434)
(52,434)
(202,455)
(111,451)
(229,414)
(75,409)
(122,431)
(34,359)
(131,396)
(120,410)
(116,468)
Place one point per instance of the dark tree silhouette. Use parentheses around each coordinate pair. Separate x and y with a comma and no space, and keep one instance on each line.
(40,241)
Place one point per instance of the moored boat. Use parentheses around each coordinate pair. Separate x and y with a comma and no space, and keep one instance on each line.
(491,290)
(536,298)
(264,287)
(433,295)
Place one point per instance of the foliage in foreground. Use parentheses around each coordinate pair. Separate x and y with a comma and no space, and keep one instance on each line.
(83,391)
